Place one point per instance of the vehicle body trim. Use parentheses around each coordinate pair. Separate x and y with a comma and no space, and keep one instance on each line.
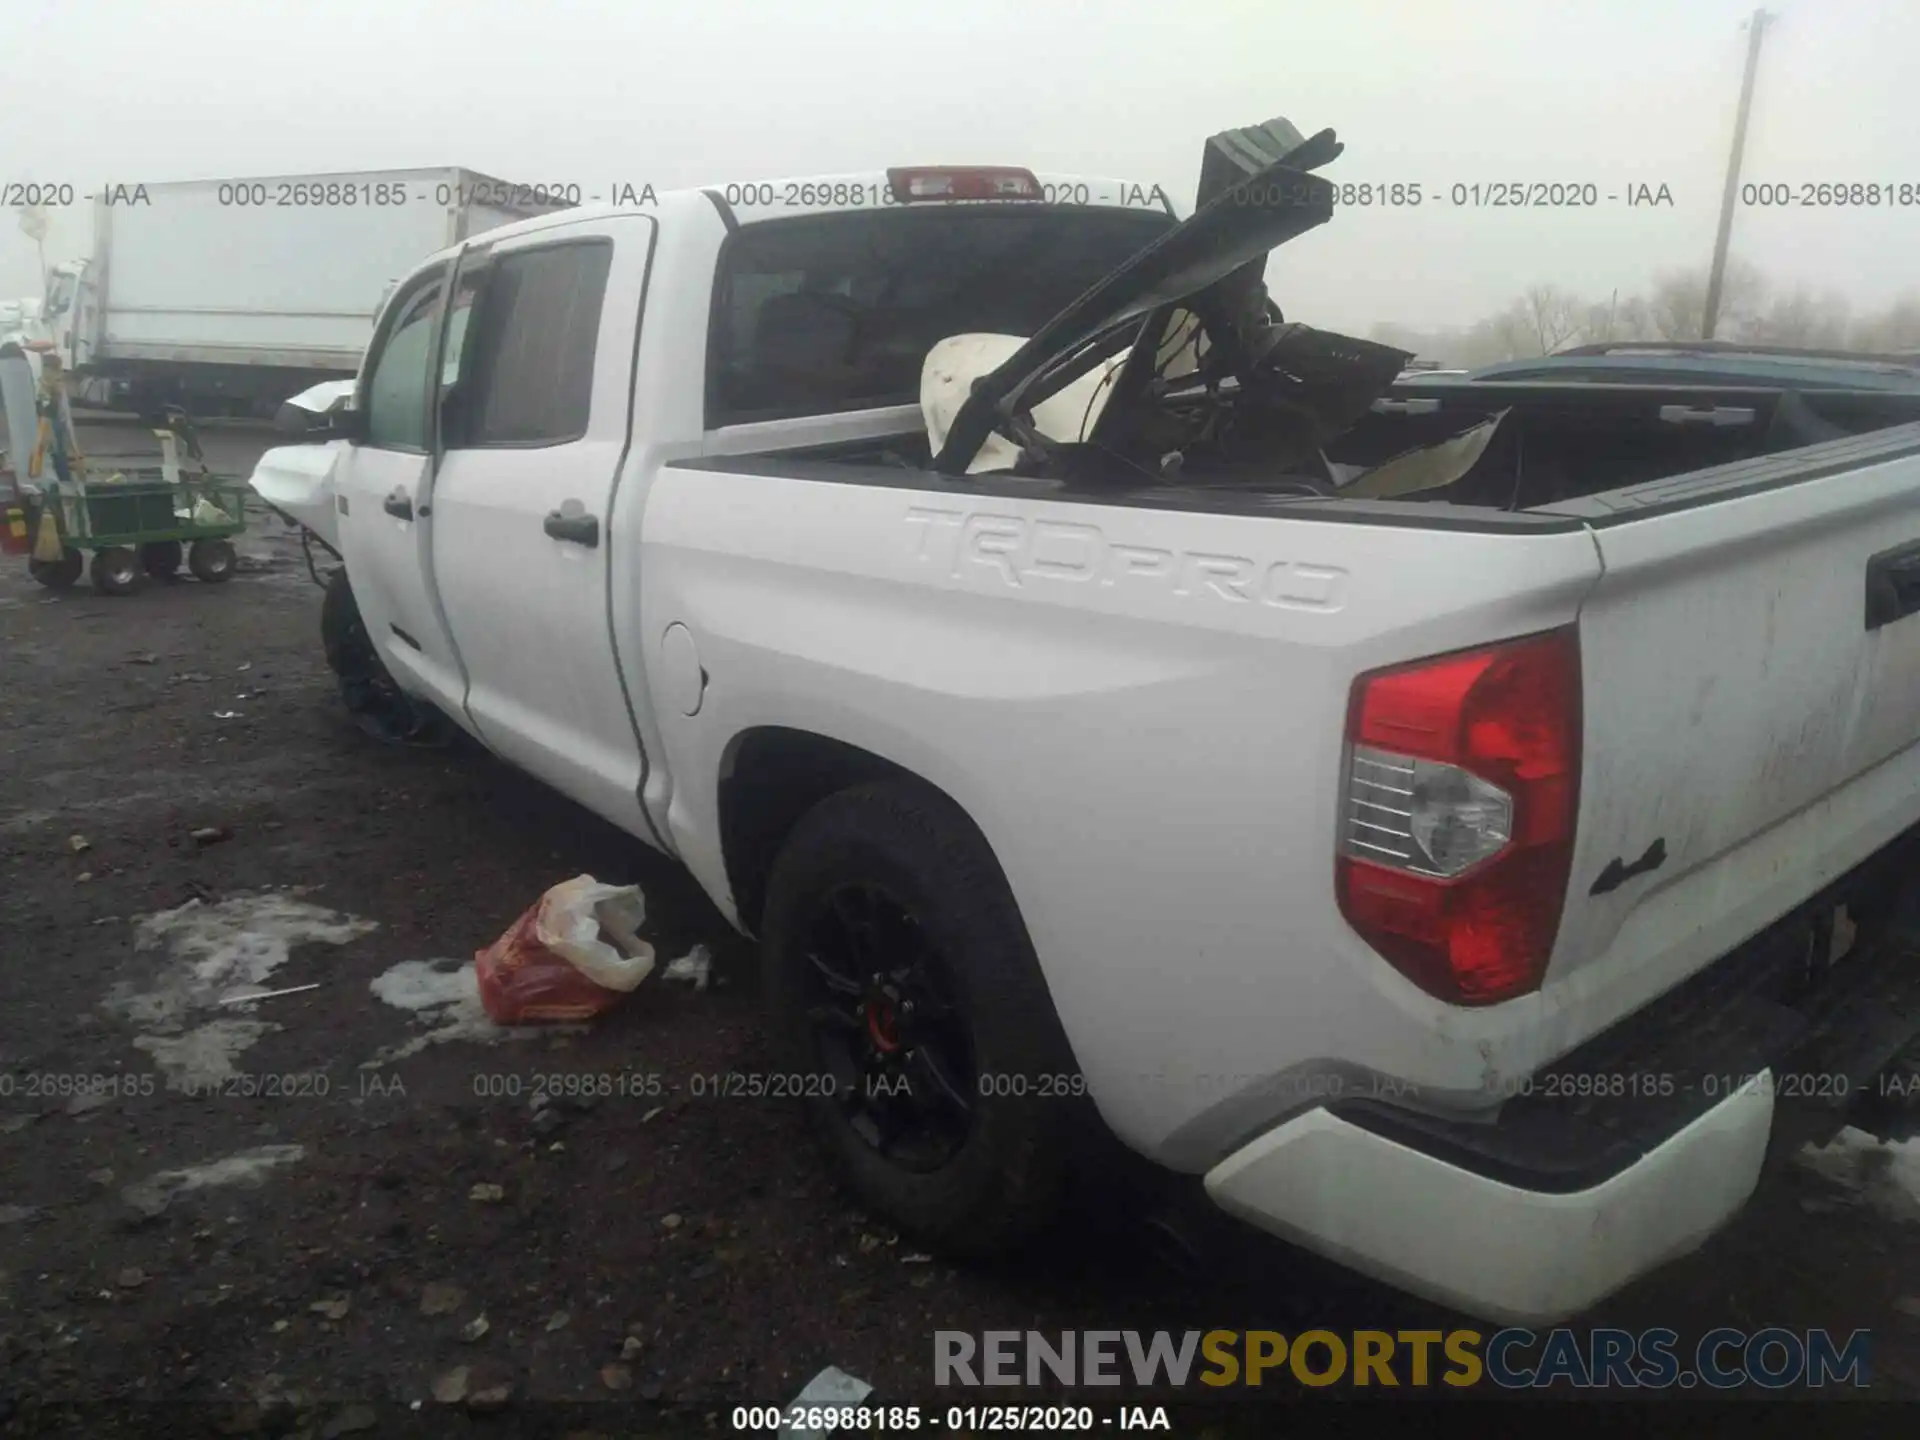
(1192,500)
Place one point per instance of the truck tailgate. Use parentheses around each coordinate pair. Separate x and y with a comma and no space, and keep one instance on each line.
(1751,661)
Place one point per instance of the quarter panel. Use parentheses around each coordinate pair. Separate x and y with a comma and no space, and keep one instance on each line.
(1144,715)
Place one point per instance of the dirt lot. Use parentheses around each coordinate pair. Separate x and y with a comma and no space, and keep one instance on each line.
(394,1207)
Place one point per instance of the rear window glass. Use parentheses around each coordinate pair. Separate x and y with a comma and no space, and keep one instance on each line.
(534,345)
(837,312)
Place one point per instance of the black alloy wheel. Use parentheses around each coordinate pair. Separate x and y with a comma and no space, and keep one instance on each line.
(886,1028)
(908,1007)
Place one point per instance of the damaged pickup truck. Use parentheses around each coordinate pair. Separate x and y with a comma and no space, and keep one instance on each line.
(1464,822)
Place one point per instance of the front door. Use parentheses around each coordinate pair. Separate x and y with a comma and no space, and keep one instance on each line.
(381,490)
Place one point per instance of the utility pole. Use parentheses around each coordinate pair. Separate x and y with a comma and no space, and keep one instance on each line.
(1755,28)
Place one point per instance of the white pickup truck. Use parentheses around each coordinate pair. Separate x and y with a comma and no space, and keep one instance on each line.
(1463,822)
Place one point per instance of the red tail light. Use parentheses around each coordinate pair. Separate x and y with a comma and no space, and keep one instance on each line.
(964,182)
(1462,787)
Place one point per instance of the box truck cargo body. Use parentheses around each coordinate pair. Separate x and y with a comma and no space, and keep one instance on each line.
(227,296)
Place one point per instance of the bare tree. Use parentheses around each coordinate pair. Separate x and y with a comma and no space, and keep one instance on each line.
(1677,309)
(1547,317)
(1421,343)
(1800,319)
(1509,334)
(1895,329)
(1505,335)
(1554,315)
(1634,319)
(1678,306)
(1619,319)
(1601,323)
(1501,337)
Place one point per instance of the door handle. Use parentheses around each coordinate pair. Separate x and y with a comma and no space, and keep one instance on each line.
(1406,407)
(399,505)
(1893,585)
(575,529)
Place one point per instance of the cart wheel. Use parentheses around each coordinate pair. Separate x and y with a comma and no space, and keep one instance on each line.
(57,574)
(211,560)
(160,558)
(115,570)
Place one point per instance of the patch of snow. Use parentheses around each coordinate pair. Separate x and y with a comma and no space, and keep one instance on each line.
(428,985)
(249,1167)
(223,950)
(214,953)
(444,995)
(203,1056)
(1885,1177)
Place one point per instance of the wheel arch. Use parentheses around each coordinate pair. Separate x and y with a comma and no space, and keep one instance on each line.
(771,776)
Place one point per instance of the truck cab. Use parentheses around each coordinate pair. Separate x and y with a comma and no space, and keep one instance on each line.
(514,449)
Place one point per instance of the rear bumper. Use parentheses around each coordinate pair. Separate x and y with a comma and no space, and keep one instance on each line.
(1480,1244)
(1625,1153)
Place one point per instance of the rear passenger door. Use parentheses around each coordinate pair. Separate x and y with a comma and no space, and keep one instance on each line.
(534,424)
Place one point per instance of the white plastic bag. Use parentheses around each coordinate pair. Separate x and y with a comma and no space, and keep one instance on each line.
(570,921)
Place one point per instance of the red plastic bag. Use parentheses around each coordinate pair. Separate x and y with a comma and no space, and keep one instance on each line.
(539,970)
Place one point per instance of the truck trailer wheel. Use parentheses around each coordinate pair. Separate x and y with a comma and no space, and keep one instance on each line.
(115,571)
(58,574)
(910,1009)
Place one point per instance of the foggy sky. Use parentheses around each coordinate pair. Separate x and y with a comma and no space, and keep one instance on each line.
(1434,91)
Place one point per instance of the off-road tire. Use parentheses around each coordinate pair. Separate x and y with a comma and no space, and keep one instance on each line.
(1006,1180)
(367,689)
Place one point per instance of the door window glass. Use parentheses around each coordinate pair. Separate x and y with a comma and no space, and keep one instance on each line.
(397,388)
(533,343)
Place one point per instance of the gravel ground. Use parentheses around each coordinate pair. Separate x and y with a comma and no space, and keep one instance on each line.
(293,1208)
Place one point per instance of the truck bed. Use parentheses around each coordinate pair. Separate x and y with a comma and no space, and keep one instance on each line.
(1739,592)
(1566,441)
(1554,444)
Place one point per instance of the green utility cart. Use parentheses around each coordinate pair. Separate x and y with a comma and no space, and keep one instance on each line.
(138,525)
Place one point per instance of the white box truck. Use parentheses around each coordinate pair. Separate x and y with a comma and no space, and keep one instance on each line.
(227,296)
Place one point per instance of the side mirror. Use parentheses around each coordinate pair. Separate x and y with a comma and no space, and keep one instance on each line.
(291,420)
(348,424)
(339,422)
